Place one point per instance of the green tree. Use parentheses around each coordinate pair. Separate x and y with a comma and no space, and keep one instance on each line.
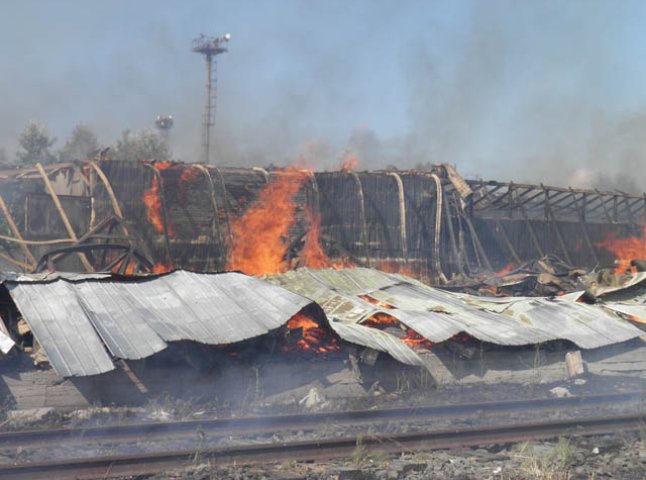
(80,145)
(144,145)
(35,144)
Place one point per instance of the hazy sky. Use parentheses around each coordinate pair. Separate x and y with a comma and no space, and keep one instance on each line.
(549,91)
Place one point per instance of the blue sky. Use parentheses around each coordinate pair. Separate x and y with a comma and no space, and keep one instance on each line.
(544,90)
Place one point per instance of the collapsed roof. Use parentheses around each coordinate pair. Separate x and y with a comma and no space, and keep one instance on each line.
(83,321)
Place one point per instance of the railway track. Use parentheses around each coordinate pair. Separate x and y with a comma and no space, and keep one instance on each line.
(110,466)
(262,424)
(428,439)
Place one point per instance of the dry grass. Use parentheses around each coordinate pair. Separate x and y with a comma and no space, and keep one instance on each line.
(553,465)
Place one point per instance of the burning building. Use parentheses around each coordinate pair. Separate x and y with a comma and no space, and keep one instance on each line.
(345,264)
(126,217)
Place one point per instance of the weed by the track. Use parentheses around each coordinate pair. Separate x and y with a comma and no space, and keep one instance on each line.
(551,465)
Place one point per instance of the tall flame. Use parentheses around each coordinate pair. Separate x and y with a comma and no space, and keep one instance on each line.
(152,201)
(625,249)
(312,254)
(260,234)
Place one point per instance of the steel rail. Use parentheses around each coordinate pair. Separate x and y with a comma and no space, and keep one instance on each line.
(145,431)
(137,464)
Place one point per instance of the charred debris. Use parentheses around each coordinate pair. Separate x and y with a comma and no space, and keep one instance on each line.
(357,266)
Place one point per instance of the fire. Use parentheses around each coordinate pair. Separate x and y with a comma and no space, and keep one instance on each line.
(390,266)
(260,234)
(161,267)
(313,337)
(312,254)
(415,340)
(637,319)
(152,201)
(625,249)
(130,267)
(349,162)
(510,267)
(189,175)
(374,301)
(382,320)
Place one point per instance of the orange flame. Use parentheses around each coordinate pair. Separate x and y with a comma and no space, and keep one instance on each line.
(130,267)
(349,162)
(637,319)
(260,235)
(374,301)
(391,266)
(312,254)
(625,249)
(161,267)
(510,267)
(415,340)
(189,175)
(313,337)
(152,201)
(382,320)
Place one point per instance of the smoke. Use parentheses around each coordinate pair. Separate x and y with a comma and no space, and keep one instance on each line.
(532,97)
(527,91)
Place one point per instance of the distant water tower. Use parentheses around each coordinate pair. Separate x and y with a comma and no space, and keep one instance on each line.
(210,47)
(164,124)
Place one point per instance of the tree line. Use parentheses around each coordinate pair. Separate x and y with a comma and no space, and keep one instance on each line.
(36,145)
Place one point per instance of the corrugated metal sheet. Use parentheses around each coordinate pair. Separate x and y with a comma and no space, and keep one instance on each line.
(334,291)
(377,340)
(436,305)
(135,319)
(629,302)
(60,325)
(588,326)
(438,315)
(635,279)
(6,342)
(629,298)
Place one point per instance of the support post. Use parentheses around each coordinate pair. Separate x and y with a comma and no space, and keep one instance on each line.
(16,232)
(68,226)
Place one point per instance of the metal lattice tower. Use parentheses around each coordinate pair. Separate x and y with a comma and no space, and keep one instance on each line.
(210,47)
